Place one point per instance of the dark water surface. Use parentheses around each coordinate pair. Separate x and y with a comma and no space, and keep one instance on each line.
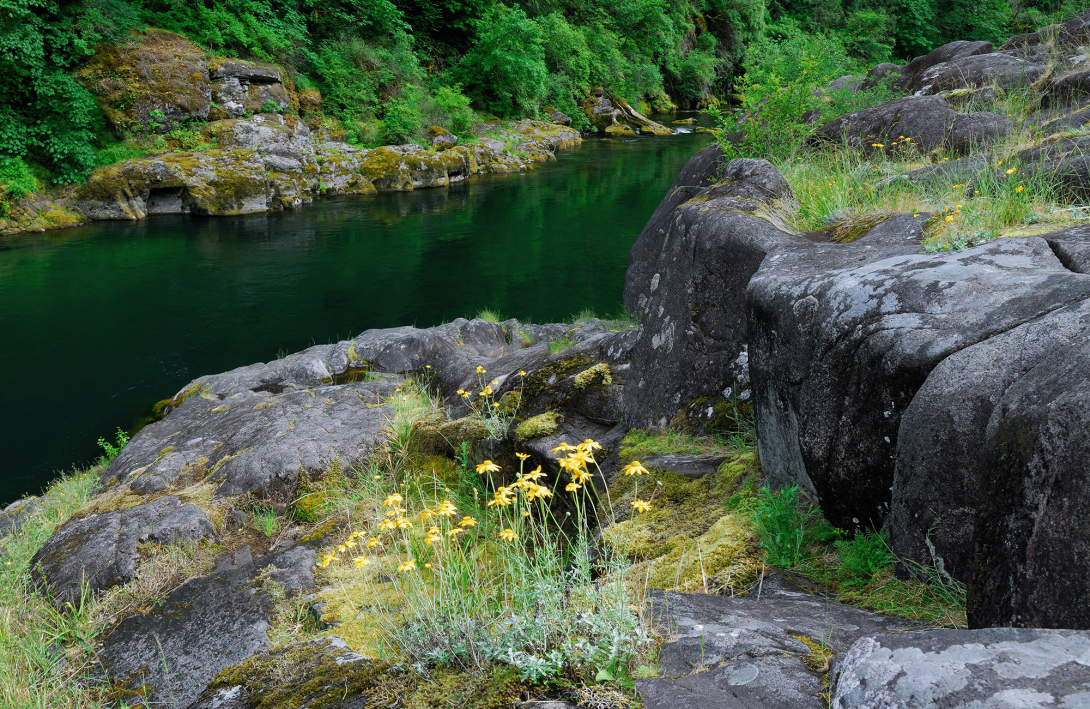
(99,323)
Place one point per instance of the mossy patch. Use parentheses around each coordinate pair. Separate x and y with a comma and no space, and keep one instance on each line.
(552,372)
(541,425)
(639,443)
(598,374)
(851,228)
(697,534)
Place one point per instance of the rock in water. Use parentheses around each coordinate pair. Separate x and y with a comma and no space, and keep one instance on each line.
(957,669)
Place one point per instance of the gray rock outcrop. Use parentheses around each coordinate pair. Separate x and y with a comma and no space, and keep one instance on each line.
(101,550)
(751,652)
(998,667)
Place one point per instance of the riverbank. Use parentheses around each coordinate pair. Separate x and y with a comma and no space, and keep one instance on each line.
(273,162)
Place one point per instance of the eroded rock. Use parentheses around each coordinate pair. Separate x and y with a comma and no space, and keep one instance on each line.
(750,652)
(168,656)
(101,549)
(687,281)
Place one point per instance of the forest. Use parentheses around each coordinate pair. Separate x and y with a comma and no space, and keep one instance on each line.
(388,68)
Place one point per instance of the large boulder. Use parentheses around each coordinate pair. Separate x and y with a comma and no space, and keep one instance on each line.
(612,115)
(1073,33)
(952,52)
(925,123)
(952,669)
(101,550)
(941,466)
(687,281)
(1033,523)
(842,336)
(1005,70)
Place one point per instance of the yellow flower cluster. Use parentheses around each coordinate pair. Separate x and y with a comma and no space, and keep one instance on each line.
(577,462)
(526,484)
(395,519)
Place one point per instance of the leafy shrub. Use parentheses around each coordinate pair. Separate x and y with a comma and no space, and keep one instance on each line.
(780,97)
(505,70)
(862,558)
(787,526)
(16,181)
(449,107)
(403,119)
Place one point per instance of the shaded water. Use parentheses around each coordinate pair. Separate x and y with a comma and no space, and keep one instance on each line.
(99,323)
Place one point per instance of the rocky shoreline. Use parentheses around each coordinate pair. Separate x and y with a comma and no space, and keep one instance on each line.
(939,397)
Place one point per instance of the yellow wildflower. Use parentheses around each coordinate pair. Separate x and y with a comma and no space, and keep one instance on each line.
(446,509)
(563,447)
(481,370)
(392,500)
(572,487)
(950,218)
(1019,188)
(535,491)
(501,498)
(522,456)
(495,404)
(634,468)
(507,535)
(404,524)
(455,532)
(488,467)
(434,535)
(522,373)
(467,521)
(590,445)
(373,542)
(387,524)
(534,475)
(640,506)
(427,566)
(360,561)
(407,565)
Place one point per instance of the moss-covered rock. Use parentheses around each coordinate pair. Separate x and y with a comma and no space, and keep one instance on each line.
(156,82)
(541,425)
(696,535)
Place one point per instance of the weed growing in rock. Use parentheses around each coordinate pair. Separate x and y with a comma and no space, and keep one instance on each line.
(112,450)
(489,315)
(265,521)
(788,526)
(497,413)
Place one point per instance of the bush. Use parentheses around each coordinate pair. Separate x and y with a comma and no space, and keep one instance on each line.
(403,119)
(505,70)
(16,179)
(449,107)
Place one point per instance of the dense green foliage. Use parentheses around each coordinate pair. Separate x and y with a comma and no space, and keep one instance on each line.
(388,68)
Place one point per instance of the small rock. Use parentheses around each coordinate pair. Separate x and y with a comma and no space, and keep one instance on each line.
(441,138)
(690,466)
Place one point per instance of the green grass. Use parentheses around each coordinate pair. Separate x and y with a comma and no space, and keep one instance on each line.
(857,570)
(489,315)
(30,674)
(640,443)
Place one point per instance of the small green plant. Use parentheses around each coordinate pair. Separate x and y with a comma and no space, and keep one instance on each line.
(788,526)
(265,521)
(112,450)
(190,139)
(270,107)
(862,558)
(489,315)
(16,182)
(561,343)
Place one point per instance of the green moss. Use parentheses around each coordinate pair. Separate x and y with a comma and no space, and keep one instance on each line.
(469,429)
(307,675)
(499,687)
(697,533)
(541,425)
(324,530)
(598,374)
(539,380)
(855,226)
(639,443)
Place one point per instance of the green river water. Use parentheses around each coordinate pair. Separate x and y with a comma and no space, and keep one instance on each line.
(99,323)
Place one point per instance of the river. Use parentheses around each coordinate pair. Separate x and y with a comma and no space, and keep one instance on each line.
(100,322)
